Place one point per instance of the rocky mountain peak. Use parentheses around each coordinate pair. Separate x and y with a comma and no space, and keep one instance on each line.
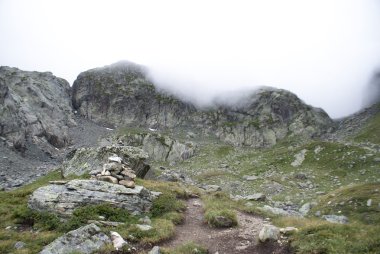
(122,94)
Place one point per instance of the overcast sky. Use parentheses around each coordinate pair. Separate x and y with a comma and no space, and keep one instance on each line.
(325,51)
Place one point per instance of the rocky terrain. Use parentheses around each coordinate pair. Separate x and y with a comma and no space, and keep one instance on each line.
(124,95)
(270,155)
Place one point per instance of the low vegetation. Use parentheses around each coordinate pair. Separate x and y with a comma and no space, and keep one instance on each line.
(187,248)
(220,211)
(37,229)
(370,132)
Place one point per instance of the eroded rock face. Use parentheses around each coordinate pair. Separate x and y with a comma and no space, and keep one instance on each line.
(86,239)
(92,160)
(34,107)
(160,147)
(122,94)
(64,199)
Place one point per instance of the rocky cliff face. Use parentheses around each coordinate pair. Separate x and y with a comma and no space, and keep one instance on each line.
(122,94)
(34,107)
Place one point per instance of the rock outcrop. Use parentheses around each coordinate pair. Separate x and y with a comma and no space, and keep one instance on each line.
(122,94)
(86,240)
(160,147)
(64,199)
(35,107)
(92,160)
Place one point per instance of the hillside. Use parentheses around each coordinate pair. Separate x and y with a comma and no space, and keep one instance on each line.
(119,152)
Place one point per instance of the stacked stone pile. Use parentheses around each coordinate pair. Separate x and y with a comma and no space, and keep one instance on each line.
(118,172)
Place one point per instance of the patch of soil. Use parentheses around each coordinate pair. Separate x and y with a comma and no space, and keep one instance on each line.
(241,239)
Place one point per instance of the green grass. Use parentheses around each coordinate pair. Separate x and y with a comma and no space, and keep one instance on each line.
(187,248)
(361,235)
(321,237)
(13,211)
(219,204)
(371,131)
(162,230)
(38,229)
(351,201)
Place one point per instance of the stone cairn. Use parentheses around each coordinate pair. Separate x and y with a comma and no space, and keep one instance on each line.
(117,172)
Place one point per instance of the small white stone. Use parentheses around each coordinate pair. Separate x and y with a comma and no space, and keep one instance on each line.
(114,159)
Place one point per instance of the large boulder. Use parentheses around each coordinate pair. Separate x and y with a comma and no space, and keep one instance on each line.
(64,199)
(35,107)
(86,240)
(92,160)
(160,147)
(269,233)
(123,94)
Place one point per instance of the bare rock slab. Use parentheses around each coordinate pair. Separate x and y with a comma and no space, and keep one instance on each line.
(86,239)
(64,199)
(92,160)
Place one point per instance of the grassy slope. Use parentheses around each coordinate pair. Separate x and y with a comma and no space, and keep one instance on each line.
(370,132)
(346,172)
(333,168)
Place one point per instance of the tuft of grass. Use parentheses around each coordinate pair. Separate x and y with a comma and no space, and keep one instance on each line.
(92,212)
(162,230)
(172,188)
(175,217)
(211,216)
(211,174)
(40,220)
(223,151)
(187,248)
(219,204)
(166,203)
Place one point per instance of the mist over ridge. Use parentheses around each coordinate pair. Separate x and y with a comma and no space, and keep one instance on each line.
(326,51)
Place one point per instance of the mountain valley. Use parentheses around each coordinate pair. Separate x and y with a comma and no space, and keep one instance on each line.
(269,157)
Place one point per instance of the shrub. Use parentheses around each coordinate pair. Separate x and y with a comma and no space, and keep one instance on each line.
(166,203)
(221,218)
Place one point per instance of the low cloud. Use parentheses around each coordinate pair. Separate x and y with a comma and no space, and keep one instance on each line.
(325,51)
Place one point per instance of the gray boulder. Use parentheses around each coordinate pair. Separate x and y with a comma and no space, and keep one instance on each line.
(64,199)
(91,160)
(211,188)
(160,147)
(256,197)
(19,245)
(86,239)
(155,250)
(280,211)
(336,218)
(305,208)
(269,233)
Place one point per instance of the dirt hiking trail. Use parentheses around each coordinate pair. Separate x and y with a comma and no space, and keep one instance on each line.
(241,239)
